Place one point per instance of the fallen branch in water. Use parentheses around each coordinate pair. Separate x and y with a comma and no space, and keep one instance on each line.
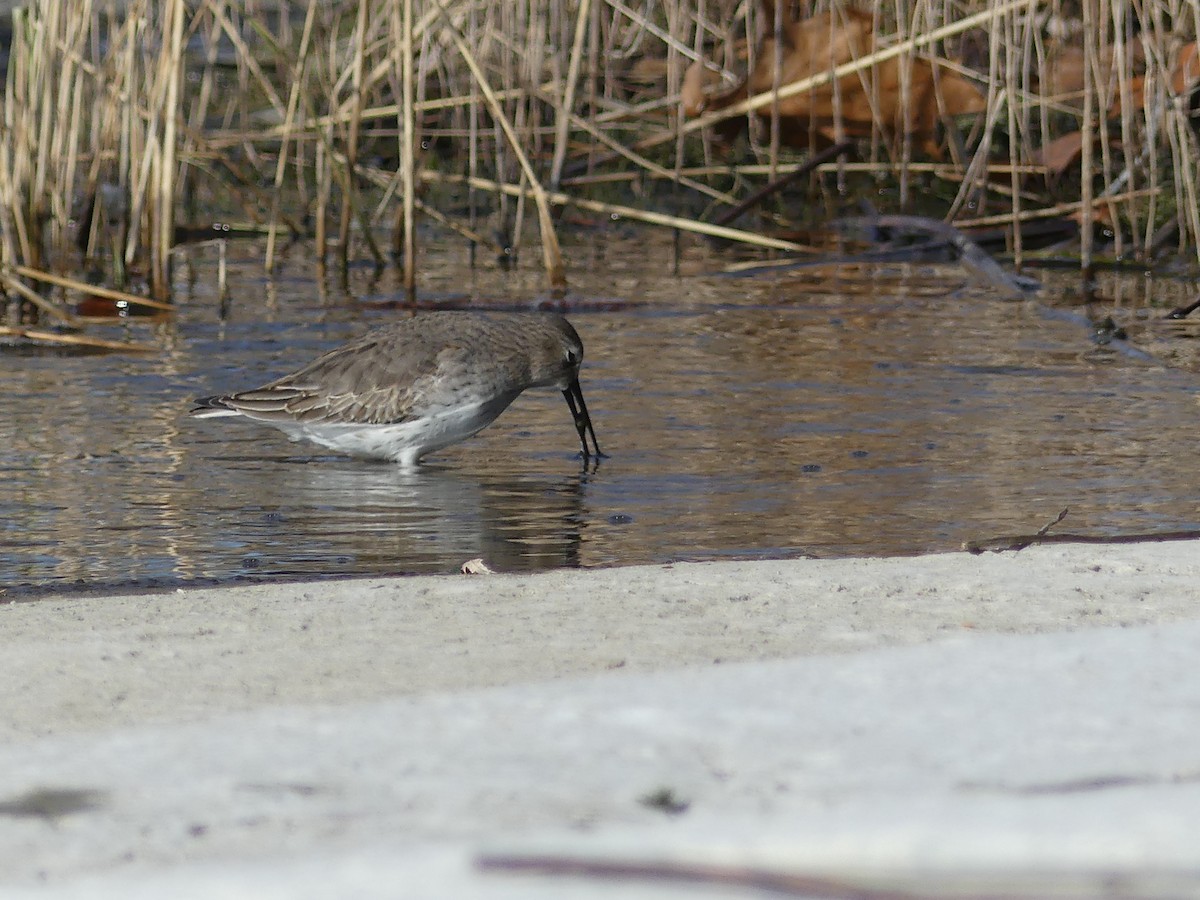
(969,253)
(1041,536)
(944,239)
(1184,311)
(1020,542)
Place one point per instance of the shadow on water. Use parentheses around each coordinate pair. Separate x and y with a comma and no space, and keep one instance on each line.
(377,518)
(880,411)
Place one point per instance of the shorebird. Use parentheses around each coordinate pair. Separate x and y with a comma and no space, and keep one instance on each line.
(418,385)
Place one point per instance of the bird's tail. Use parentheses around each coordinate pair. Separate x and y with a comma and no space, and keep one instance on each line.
(212,407)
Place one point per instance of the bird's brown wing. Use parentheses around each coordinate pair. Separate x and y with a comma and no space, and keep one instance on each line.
(368,381)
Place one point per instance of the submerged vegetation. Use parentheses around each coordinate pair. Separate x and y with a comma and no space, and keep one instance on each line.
(130,127)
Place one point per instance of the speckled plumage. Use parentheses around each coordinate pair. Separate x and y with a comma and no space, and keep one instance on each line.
(419,384)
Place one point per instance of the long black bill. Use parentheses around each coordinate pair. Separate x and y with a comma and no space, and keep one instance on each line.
(583,422)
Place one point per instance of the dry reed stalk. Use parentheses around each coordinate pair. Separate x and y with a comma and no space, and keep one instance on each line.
(1033,116)
(777,46)
(699,33)
(974,184)
(593,69)
(324,187)
(751,170)
(855,67)
(465,231)
(344,109)
(298,80)
(530,62)
(160,275)
(245,58)
(551,252)
(144,203)
(1086,175)
(1100,40)
(408,139)
(1153,96)
(903,17)
(138,137)
(939,170)
(359,41)
(75,340)
(1122,61)
(640,111)
(1011,67)
(1191,142)
(16,238)
(222,272)
(1048,212)
(40,153)
(92,289)
(567,104)
(839,129)
(66,149)
(997,188)
(649,165)
(46,306)
(675,21)
(43,74)
(309,127)
(669,40)
(623,212)
(519,120)
(190,148)
(1187,188)
(473,139)
(129,129)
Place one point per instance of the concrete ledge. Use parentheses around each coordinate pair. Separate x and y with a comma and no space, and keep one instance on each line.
(378,738)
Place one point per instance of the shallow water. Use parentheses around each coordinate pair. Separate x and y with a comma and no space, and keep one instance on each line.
(887,411)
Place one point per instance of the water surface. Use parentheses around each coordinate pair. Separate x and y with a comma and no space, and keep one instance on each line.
(894,410)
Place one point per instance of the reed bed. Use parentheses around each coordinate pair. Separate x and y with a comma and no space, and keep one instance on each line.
(126,124)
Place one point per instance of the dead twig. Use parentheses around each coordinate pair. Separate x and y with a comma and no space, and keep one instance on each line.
(969,253)
(1045,528)
(780,183)
(1020,542)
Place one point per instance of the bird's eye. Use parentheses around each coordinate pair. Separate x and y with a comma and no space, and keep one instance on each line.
(572,357)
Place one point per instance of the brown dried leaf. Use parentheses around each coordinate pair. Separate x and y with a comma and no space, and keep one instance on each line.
(693,94)
(1064,70)
(862,101)
(1061,153)
(1186,74)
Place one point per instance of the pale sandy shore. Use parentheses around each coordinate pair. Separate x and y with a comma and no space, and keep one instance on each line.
(1024,724)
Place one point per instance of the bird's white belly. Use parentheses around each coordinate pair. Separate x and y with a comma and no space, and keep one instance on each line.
(404,442)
